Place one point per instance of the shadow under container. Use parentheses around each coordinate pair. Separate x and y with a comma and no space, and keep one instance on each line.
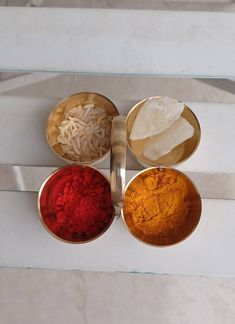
(58,114)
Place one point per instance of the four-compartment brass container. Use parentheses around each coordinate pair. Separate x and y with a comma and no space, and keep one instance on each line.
(179,154)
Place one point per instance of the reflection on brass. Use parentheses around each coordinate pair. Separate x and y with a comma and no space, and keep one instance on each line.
(118,161)
(59,112)
(162,206)
(179,154)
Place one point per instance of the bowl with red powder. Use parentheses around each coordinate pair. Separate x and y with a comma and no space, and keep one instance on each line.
(75,204)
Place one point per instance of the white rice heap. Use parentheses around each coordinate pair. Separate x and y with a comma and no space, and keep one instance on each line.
(85,133)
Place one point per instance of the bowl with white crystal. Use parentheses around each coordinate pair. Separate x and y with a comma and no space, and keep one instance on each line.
(162,131)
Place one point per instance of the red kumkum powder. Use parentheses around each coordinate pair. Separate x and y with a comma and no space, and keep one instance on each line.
(75,203)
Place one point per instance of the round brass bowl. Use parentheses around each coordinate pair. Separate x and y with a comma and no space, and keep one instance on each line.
(183,226)
(46,201)
(58,113)
(179,154)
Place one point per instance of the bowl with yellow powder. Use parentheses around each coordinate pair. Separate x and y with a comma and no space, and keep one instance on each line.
(162,206)
(162,131)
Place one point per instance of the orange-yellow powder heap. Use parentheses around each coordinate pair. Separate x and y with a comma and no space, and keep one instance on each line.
(157,202)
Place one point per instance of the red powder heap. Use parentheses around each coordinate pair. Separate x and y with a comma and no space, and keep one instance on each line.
(75,203)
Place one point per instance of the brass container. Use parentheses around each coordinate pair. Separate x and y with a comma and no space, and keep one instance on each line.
(173,236)
(40,204)
(58,113)
(179,154)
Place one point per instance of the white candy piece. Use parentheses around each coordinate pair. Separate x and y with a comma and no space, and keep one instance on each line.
(159,145)
(155,116)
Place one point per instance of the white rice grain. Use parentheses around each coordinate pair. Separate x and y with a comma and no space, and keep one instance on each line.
(84,134)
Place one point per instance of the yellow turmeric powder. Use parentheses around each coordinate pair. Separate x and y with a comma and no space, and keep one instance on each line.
(157,203)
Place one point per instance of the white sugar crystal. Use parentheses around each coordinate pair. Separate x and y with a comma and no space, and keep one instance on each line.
(159,145)
(155,116)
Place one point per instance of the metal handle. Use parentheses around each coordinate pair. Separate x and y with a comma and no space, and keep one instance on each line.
(118,162)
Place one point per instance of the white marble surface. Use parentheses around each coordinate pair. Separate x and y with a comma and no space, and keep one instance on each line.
(118,41)
(58,297)
(122,87)
(24,119)
(25,243)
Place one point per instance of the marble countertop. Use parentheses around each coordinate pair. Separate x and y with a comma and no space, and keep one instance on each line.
(25,243)
(111,41)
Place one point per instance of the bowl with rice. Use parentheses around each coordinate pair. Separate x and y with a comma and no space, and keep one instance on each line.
(79,128)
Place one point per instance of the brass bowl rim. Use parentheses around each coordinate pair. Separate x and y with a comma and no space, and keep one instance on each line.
(198,195)
(100,158)
(154,164)
(40,213)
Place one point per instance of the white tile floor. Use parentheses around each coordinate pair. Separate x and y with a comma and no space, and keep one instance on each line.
(58,297)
